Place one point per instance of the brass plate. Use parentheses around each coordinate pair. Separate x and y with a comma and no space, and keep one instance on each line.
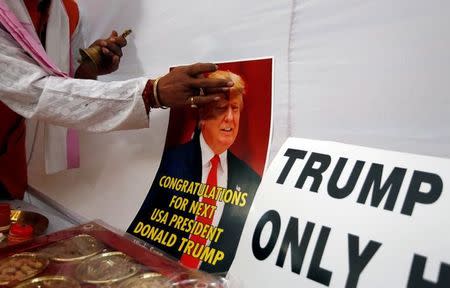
(50,282)
(146,280)
(73,249)
(20,267)
(38,221)
(106,268)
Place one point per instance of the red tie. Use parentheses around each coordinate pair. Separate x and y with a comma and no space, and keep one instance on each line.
(188,260)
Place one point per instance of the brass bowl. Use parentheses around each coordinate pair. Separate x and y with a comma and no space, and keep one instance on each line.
(106,268)
(50,282)
(76,248)
(22,266)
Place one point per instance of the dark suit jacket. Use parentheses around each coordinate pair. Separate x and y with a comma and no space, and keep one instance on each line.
(184,162)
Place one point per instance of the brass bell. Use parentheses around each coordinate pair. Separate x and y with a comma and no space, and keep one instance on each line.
(93,53)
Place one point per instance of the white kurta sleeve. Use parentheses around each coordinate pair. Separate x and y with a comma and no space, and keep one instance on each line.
(83,104)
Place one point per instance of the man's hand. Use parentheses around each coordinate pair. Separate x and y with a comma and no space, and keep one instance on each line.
(110,52)
(183,83)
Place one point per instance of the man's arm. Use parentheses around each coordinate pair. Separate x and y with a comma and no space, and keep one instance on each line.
(89,104)
(181,86)
(85,104)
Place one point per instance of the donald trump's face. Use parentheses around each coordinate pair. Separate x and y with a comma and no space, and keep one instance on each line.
(221,125)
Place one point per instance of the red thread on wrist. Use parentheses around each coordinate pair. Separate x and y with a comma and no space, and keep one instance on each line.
(147,96)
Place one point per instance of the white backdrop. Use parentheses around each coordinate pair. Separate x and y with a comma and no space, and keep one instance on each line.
(371,73)
(118,168)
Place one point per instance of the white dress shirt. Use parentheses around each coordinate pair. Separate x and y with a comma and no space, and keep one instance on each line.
(222,174)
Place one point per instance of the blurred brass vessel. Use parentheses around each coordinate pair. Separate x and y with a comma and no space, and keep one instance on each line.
(93,53)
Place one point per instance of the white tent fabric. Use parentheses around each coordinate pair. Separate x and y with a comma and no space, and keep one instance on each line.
(371,73)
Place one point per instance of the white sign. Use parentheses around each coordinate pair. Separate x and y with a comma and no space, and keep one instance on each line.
(337,215)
